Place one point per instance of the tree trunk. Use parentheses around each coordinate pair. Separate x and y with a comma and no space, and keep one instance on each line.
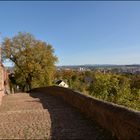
(29,81)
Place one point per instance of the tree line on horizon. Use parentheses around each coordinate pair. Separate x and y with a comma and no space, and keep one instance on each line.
(122,89)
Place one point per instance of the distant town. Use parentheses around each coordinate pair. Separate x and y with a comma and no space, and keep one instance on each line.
(130,69)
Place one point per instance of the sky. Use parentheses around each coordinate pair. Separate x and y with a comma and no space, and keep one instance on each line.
(80,32)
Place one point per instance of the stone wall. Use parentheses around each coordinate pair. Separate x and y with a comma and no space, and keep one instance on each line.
(1,95)
(121,121)
(3,79)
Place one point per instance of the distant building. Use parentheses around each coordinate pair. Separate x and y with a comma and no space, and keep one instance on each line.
(81,69)
(62,83)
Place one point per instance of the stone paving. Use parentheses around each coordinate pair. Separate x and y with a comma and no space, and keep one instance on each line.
(38,116)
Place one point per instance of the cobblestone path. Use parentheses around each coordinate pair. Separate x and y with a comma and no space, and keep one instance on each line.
(23,116)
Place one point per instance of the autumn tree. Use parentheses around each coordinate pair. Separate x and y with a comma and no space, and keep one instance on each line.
(34,60)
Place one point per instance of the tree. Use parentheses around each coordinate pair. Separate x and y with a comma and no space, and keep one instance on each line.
(34,60)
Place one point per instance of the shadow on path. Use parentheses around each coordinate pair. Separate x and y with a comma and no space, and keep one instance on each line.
(67,122)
